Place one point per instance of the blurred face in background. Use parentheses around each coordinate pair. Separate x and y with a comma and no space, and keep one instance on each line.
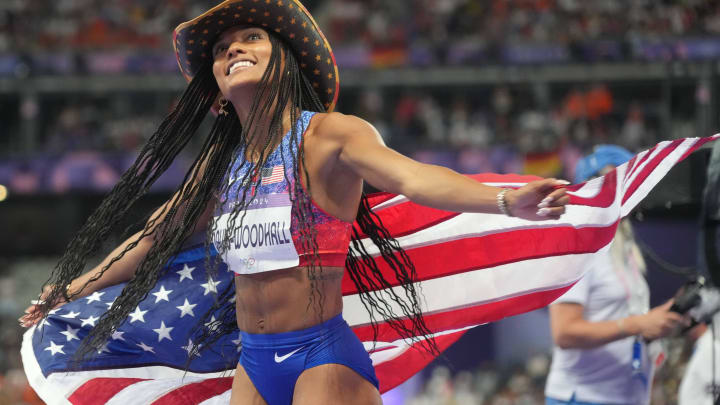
(240,57)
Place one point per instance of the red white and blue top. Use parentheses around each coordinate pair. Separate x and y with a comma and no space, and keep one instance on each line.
(268,236)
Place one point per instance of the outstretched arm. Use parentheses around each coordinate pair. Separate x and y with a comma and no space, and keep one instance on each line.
(362,151)
(570,330)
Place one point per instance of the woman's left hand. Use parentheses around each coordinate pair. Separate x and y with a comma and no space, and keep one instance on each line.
(538,200)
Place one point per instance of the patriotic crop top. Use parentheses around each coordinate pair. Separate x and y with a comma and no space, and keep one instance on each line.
(268,238)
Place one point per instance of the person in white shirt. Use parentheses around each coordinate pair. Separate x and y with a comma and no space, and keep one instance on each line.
(601,325)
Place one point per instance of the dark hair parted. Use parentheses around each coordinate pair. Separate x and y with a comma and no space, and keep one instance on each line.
(283,90)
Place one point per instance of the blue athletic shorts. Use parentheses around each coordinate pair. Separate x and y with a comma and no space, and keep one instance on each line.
(275,361)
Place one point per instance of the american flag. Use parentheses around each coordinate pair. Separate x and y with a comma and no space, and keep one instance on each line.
(272,175)
(472,269)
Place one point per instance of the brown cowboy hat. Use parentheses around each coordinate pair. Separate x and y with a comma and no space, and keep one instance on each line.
(193,40)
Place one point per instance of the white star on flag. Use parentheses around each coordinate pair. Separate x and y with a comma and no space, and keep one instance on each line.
(162,294)
(89,321)
(186,272)
(70,333)
(103,349)
(190,346)
(94,297)
(236,342)
(55,349)
(118,336)
(109,304)
(146,347)
(138,315)
(53,311)
(186,308)
(163,332)
(209,324)
(71,315)
(210,286)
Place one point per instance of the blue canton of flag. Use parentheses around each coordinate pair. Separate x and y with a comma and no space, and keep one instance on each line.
(158,331)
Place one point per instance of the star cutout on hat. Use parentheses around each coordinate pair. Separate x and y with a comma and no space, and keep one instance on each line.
(236,15)
(205,31)
(306,39)
(267,14)
(304,24)
(316,84)
(55,349)
(250,20)
(330,75)
(280,3)
(316,71)
(303,53)
(329,61)
(329,91)
(280,18)
(317,42)
(292,21)
(253,10)
(203,42)
(190,42)
(318,57)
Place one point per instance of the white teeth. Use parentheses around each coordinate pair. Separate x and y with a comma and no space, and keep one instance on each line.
(240,64)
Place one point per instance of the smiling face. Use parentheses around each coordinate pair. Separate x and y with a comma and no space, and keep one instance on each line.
(240,55)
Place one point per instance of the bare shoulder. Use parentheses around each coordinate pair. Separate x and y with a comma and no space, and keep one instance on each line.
(339,126)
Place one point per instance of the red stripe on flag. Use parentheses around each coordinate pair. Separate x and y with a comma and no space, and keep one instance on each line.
(457,256)
(195,393)
(99,390)
(604,197)
(650,167)
(456,318)
(396,371)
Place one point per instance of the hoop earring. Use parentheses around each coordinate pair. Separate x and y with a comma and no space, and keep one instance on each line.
(223,103)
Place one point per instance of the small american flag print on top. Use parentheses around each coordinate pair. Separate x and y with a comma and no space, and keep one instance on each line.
(272,175)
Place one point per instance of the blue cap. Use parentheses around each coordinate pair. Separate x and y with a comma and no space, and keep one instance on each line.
(603,155)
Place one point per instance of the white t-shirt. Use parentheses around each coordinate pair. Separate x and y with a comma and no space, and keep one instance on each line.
(603,374)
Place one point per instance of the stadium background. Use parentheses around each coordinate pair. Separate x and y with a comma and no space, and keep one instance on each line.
(523,86)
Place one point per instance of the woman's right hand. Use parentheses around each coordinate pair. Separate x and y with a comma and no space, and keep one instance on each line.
(32,313)
(660,322)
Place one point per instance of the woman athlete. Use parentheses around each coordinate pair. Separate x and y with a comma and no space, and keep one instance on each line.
(275,190)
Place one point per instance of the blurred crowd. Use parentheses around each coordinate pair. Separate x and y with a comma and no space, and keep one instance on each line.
(87,147)
(524,384)
(445,29)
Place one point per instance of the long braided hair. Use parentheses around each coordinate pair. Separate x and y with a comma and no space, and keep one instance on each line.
(207,183)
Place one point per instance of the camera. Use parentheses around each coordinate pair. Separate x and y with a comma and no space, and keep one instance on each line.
(697,300)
